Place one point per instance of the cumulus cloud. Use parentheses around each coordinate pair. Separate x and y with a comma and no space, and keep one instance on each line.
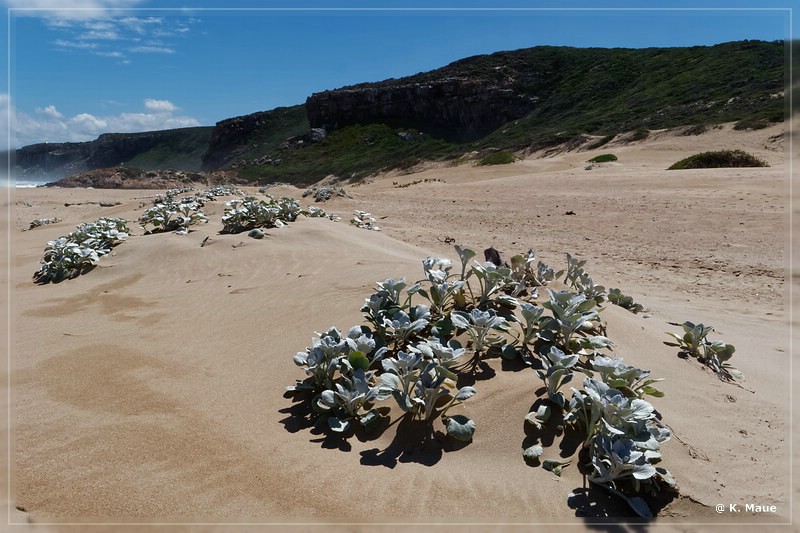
(50,111)
(159,106)
(49,125)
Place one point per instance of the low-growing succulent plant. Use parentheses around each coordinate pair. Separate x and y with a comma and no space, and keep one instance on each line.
(480,325)
(631,381)
(693,338)
(43,222)
(715,355)
(351,399)
(364,220)
(249,213)
(172,216)
(413,353)
(523,270)
(491,280)
(616,297)
(222,190)
(573,314)
(557,372)
(69,256)
(580,280)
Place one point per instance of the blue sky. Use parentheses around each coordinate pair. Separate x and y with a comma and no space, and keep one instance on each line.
(138,65)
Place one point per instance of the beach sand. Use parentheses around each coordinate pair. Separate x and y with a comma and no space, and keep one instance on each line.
(150,390)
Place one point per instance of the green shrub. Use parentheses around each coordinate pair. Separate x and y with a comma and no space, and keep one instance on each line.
(603,158)
(699,129)
(640,134)
(751,124)
(497,158)
(719,159)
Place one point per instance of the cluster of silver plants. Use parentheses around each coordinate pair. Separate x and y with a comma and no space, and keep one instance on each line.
(325,192)
(250,213)
(43,222)
(419,339)
(364,220)
(73,254)
(222,190)
(416,351)
(169,195)
(623,436)
(318,212)
(580,280)
(172,214)
(714,354)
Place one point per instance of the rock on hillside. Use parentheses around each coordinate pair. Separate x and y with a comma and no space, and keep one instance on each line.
(458,109)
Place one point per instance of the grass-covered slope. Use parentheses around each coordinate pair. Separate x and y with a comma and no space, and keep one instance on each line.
(596,91)
(352,152)
(182,151)
(607,91)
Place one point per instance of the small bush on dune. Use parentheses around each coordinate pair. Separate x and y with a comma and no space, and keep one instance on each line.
(640,134)
(497,158)
(751,124)
(719,159)
(603,158)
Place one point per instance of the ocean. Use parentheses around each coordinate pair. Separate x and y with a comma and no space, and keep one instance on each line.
(26,184)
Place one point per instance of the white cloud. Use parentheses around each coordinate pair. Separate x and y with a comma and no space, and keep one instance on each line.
(152,50)
(159,106)
(106,28)
(50,111)
(46,126)
(63,44)
(77,9)
(96,35)
(110,54)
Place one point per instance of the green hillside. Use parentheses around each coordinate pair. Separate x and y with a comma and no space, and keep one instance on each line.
(594,91)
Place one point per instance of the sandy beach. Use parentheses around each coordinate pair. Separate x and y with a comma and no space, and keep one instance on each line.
(150,390)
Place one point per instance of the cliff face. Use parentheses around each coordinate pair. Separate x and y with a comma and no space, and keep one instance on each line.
(252,135)
(457,109)
(51,159)
(56,160)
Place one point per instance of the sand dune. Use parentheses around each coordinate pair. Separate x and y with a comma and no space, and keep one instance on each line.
(150,389)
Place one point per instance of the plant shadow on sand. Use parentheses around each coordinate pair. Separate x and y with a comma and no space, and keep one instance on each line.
(591,503)
(414,442)
(554,427)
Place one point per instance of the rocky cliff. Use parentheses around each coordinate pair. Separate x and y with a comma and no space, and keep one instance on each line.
(456,109)
(253,135)
(154,149)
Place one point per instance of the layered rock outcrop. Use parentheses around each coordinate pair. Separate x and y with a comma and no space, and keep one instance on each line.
(458,109)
